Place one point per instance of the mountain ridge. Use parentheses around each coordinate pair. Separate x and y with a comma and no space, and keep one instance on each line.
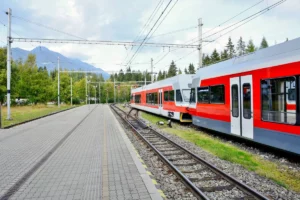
(48,58)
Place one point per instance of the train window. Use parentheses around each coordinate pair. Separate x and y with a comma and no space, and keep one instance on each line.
(178,96)
(274,95)
(203,94)
(192,96)
(137,98)
(166,95)
(155,96)
(247,113)
(217,94)
(291,94)
(235,100)
(186,94)
(171,95)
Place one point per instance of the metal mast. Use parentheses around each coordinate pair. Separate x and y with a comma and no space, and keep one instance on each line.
(200,41)
(8,62)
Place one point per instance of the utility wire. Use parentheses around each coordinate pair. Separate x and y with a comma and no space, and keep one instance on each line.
(149,33)
(246,20)
(159,25)
(160,3)
(163,19)
(172,32)
(47,27)
(233,17)
(146,25)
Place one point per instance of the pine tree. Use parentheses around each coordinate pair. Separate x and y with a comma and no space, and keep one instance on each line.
(241,47)
(264,43)
(128,75)
(179,71)
(172,70)
(164,75)
(215,57)
(250,47)
(224,55)
(185,71)
(121,75)
(160,76)
(191,69)
(206,60)
(230,48)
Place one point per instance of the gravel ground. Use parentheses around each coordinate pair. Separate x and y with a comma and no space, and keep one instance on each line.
(168,182)
(261,184)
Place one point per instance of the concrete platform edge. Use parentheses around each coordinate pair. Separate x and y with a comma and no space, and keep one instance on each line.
(153,191)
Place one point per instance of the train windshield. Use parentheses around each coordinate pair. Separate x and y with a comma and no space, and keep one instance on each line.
(186,94)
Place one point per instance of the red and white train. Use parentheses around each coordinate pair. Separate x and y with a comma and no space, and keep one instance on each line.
(256,96)
(169,97)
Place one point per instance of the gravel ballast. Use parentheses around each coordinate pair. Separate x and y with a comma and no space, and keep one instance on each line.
(263,185)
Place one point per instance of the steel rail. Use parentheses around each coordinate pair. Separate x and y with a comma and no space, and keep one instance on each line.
(243,187)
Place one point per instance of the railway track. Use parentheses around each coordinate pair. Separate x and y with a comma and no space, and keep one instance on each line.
(202,178)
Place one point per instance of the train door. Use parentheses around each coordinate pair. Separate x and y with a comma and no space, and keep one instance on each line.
(160,103)
(241,106)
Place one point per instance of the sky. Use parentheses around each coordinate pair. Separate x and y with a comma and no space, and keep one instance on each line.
(123,20)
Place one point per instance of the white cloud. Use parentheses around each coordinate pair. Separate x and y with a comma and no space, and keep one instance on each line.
(122,20)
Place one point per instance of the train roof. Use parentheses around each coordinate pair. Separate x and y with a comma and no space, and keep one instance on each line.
(180,81)
(286,52)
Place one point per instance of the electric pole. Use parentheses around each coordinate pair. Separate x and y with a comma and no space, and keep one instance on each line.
(200,41)
(86,95)
(99,93)
(146,78)
(152,70)
(8,62)
(114,89)
(58,98)
(71,93)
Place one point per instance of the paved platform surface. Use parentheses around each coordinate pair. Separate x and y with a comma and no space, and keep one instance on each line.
(79,154)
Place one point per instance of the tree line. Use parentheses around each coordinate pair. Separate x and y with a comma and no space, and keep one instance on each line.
(38,85)
(230,51)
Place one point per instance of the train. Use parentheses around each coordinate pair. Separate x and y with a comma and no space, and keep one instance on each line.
(169,97)
(254,96)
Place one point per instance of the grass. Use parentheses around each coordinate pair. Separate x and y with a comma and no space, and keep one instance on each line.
(23,113)
(277,172)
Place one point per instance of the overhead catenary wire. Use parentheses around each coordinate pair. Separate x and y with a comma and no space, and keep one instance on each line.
(47,27)
(255,14)
(159,25)
(158,6)
(142,30)
(245,21)
(163,19)
(233,17)
(149,33)
(172,32)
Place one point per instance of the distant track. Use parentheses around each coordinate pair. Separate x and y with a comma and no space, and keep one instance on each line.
(202,178)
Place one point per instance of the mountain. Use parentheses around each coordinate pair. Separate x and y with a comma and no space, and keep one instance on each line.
(48,58)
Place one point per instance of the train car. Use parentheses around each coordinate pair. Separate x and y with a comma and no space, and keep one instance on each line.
(168,98)
(256,96)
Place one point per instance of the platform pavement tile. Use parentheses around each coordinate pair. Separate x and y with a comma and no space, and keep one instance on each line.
(123,172)
(71,168)
(24,145)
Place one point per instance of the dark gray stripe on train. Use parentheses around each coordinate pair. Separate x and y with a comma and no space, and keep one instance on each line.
(216,125)
(277,139)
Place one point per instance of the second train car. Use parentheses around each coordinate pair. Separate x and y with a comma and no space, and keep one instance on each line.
(168,97)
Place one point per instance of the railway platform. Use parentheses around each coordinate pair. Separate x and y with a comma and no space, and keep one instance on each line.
(82,153)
